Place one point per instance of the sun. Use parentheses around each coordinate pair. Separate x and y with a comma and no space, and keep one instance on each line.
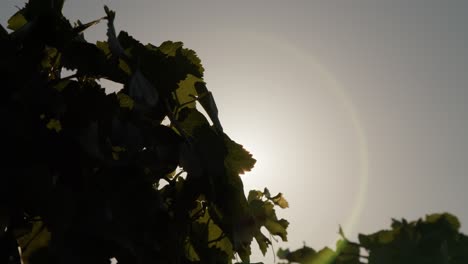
(297,121)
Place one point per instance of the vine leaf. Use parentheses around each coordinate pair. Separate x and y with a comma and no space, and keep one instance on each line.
(277,228)
(454,222)
(265,215)
(37,239)
(215,235)
(54,124)
(280,201)
(238,159)
(301,255)
(142,90)
(124,67)
(190,120)
(208,103)
(17,21)
(190,252)
(104,47)
(348,252)
(98,182)
(114,44)
(170,48)
(125,101)
(194,59)
(82,27)
(186,94)
(254,195)
(61,85)
(262,241)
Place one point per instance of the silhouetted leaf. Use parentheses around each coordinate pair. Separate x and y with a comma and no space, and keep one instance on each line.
(262,241)
(238,160)
(125,101)
(280,201)
(193,58)
(170,48)
(191,120)
(60,86)
(17,21)
(208,103)
(302,255)
(190,252)
(124,67)
(112,40)
(254,195)
(348,252)
(37,239)
(142,90)
(54,124)
(82,27)
(100,171)
(186,94)
(454,223)
(104,46)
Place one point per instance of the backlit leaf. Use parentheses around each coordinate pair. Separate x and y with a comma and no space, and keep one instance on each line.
(190,252)
(49,58)
(104,46)
(386,237)
(348,252)
(280,201)
(55,125)
(61,85)
(124,67)
(277,227)
(262,241)
(38,238)
(326,256)
(208,103)
(454,222)
(113,42)
(254,195)
(142,90)
(125,101)
(304,255)
(193,58)
(106,185)
(82,27)
(170,48)
(186,94)
(191,119)
(17,21)
(238,160)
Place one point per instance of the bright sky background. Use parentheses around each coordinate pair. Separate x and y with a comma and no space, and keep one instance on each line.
(356,110)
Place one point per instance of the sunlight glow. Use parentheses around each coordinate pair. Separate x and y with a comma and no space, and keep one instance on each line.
(282,88)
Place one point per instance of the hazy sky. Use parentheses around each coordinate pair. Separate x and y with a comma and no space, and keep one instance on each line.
(356,110)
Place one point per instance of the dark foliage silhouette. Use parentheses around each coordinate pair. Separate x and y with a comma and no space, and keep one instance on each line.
(434,240)
(140,175)
(88,176)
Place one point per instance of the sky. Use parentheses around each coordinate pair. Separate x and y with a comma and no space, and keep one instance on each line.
(357,111)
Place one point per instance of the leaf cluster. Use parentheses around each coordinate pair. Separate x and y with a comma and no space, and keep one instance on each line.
(88,176)
(434,240)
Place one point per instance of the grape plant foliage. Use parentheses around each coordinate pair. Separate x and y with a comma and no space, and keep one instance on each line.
(141,175)
(433,240)
(89,175)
